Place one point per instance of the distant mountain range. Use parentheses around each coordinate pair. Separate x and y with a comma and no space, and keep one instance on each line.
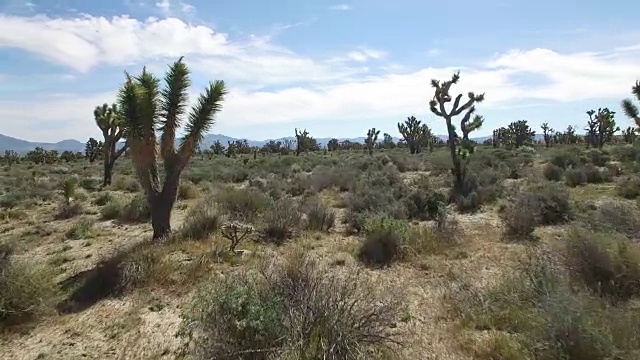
(23,146)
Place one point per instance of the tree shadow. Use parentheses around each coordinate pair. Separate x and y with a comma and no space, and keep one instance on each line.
(110,278)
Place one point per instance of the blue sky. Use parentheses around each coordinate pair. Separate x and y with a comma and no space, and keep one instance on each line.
(335,68)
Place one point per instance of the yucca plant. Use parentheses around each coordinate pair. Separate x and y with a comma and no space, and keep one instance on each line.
(110,121)
(629,108)
(147,108)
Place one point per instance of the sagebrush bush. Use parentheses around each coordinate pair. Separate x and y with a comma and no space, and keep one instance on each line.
(242,204)
(520,216)
(554,204)
(553,172)
(187,191)
(575,177)
(68,210)
(565,159)
(615,216)
(81,229)
(136,209)
(425,205)
(607,264)
(598,157)
(126,183)
(26,289)
(281,220)
(319,217)
(536,315)
(629,187)
(201,221)
(384,238)
(295,310)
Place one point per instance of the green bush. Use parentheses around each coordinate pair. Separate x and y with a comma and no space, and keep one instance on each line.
(319,216)
(187,191)
(242,204)
(575,177)
(281,221)
(554,204)
(27,289)
(81,229)
(553,172)
(521,216)
(383,240)
(629,187)
(201,221)
(295,310)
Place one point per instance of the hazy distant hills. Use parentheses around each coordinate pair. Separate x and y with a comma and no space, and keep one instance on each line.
(22,146)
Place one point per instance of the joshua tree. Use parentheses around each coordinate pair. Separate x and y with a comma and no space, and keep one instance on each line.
(415,133)
(304,142)
(109,120)
(93,149)
(459,150)
(217,147)
(629,135)
(600,127)
(333,145)
(547,133)
(630,109)
(10,157)
(372,137)
(519,133)
(147,108)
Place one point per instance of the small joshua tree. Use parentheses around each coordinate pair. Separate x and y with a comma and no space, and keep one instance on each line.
(630,109)
(547,133)
(304,142)
(147,108)
(600,127)
(519,133)
(459,150)
(235,232)
(109,120)
(415,134)
(372,137)
(629,135)
(93,149)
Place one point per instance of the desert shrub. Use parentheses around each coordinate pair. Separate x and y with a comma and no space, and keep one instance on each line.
(136,210)
(90,183)
(26,290)
(553,172)
(423,204)
(383,241)
(281,220)
(521,216)
(565,159)
(81,229)
(595,175)
(575,177)
(112,208)
(323,177)
(608,265)
(201,221)
(538,316)
(103,198)
(615,216)
(293,310)
(187,191)
(242,204)
(629,187)
(597,157)
(553,198)
(479,188)
(626,153)
(319,216)
(424,240)
(125,183)
(68,210)
(12,199)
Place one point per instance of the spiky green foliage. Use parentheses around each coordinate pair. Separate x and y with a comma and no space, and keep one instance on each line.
(460,150)
(518,133)
(110,121)
(629,135)
(146,107)
(547,133)
(600,127)
(305,142)
(10,157)
(93,149)
(372,137)
(630,109)
(415,133)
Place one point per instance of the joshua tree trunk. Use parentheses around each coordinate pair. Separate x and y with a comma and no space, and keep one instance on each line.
(108,174)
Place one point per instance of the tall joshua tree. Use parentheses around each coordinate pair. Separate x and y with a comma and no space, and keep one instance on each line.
(147,107)
(415,133)
(459,150)
(109,120)
(630,109)
(372,137)
(547,133)
(600,127)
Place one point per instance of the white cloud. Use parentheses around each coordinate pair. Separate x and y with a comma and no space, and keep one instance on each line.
(365,54)
(342,7)
(309,89)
